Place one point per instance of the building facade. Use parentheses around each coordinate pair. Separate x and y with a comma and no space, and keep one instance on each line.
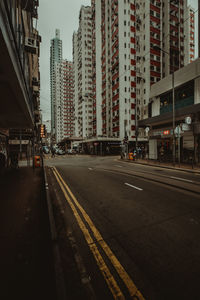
(141,43)
(186,116)
(96,68)
(82,58)
(64,106)
(19,74)
(55,58)
(68,100)
(118,49)
(135,44)
(189,35)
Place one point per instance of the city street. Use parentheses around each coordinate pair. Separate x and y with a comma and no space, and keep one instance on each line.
(136,227)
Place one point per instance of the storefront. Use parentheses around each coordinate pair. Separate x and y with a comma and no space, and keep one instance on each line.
(3,149)
(161,143)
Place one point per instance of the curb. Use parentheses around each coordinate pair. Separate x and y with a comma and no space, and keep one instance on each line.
(165,167)
(60,284)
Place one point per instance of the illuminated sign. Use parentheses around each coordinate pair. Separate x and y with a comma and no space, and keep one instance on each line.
(42,131)
(166,132)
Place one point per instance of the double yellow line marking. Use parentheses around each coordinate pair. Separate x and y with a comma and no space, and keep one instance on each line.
(112,284)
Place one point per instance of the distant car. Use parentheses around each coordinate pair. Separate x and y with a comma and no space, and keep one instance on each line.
(46,149)
(69,151)
(60,152)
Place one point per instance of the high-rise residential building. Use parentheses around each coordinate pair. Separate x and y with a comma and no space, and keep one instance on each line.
(172,29)
(142,42)
(96,68)
(58,105)
(118,68)
(135,43)
(189,35)
(76,72)
(68,98)
(64,106)
(82,51)
(55,57)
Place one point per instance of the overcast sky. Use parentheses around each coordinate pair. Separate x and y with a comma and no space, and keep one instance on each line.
(64,15)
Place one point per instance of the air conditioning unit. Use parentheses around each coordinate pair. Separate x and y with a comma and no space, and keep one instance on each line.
(30,45)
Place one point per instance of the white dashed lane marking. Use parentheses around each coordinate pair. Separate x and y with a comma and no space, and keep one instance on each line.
(133,186)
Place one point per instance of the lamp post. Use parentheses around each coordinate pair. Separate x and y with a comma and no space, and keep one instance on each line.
(173,106)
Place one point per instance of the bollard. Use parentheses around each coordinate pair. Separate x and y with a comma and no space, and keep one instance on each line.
(130,156)
(36,161)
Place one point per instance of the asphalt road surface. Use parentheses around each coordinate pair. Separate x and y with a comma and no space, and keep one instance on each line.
(137,227)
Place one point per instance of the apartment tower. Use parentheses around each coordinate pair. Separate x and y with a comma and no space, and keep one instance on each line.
(135,43)
(64,107)
(189,35)
(96,68)
(82,57)
(118,52)
(142,42)
(68,100)
(55,57)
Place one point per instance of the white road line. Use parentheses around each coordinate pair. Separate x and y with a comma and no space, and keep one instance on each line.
(118,166)
(183,179)
(90,169)
(135,187)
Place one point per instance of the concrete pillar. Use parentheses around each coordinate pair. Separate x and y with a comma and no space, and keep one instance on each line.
(198,28)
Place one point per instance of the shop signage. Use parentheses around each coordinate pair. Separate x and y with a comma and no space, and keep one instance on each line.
(166,132)
(162,132)
(17,142)
(158,132)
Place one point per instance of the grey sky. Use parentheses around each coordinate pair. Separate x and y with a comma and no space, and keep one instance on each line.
(64,15)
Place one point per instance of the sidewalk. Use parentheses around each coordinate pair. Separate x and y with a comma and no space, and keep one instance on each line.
(26,260)
(182,167)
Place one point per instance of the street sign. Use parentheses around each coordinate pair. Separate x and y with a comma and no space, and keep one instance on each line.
(188,120)
(185,127)
(18,142)
(178,130)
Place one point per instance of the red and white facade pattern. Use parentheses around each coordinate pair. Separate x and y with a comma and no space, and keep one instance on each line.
(189,35)
(68,92)
(64,90)
(118,59)
(159,24)
(135,43)
(172,28)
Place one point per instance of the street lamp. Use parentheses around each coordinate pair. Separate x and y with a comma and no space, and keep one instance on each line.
(173,104)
